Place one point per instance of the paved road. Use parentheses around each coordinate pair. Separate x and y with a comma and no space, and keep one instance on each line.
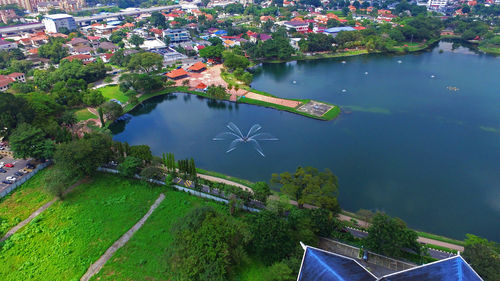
(34,26)
(433,253)
(18,165)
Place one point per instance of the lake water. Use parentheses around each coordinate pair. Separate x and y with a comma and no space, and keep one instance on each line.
(405,143)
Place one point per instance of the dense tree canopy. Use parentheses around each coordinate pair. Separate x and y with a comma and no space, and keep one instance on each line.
(28,141)
(53,50)
(145,62)
(483,256)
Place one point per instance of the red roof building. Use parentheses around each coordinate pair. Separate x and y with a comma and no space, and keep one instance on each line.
(177,74)
(82,57)
(201,86)
(197,67)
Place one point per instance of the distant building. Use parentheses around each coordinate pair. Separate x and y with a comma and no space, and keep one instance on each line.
(177,35)
(299,26)
(335,30)
(437,4)
(6,45)
(197,67)
(177,74)
(6,80)
(7,15)
(54,23)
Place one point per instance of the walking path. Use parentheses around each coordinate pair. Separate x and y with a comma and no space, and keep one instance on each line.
(96,267)
(37,212)
(342,217)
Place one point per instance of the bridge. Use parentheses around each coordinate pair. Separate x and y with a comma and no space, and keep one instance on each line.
(88,20)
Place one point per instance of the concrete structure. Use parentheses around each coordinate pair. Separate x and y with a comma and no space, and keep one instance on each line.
(177,35)
(335,30)
(54,23)
(6,80)
(299,26)
(436,4)
(6,45)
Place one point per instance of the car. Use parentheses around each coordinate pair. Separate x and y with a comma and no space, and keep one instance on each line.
(30,166)
(13,179)
(19,174)
(7,182)
(2,171)
(24,171)
(9,165)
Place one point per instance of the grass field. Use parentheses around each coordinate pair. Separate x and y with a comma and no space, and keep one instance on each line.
(65,240)
(143,257)
(84,114)
(113,92)
(26,199)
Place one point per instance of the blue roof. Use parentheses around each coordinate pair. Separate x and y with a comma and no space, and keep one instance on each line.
(451,269)
(219,32)
(319,265)
(339,29)
(113,22)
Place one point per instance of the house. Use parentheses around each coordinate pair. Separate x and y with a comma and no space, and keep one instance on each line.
(77,41)
(6,80)
(296,25)
(259,37)
(82,57)
(177,74)
(352,9)
(108,47)
(6,45)
(82,50)
(106,57)
(177,35)
(201,87)
(197,67)
(230,43)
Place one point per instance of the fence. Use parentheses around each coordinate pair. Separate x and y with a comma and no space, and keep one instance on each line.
(354,252)
(181,188)
(23,179)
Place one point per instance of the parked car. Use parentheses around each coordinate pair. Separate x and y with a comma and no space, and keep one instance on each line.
(19,174)
(2,170)
(30,166)
(7,182)
(24,171)
(9,165)
(13,179)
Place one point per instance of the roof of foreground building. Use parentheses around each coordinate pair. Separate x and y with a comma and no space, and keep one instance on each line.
(320,265)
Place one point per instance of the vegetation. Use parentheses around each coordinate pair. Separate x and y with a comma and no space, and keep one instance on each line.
(483,256)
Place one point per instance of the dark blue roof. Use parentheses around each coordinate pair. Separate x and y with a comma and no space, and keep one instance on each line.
(318,265)
(452,269)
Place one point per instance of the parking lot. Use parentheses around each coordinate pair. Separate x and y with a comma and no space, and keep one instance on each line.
(18,165)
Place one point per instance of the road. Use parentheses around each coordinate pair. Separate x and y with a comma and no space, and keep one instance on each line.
(34,26)
(18,165)
(433,253)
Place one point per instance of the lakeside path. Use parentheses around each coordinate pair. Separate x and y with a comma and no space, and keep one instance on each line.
(40,210)
(342,217)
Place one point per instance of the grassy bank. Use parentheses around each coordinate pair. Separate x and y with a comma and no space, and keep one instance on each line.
(23,201)
(62,242)
(226,177)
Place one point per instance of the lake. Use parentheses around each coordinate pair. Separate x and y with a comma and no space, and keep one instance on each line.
(419,136)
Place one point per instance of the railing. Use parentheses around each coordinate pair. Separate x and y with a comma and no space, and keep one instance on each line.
(185,189)
(23,179)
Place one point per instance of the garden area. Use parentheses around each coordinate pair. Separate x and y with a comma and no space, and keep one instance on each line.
(114,92)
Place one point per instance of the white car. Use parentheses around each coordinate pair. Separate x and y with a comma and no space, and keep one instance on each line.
(11,178)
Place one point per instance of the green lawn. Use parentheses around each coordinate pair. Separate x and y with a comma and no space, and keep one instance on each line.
(143,257)
(84,114)
(66,239)
(18,205)
(113,92)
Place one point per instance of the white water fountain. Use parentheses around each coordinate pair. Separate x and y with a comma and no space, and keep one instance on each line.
(238,137)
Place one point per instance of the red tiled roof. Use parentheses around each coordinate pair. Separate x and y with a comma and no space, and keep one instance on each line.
(176,73)
(5,81)
(197,66)
(201,86)
(33,51)
(15,74)
(93,38)
(359,27)
(156,31)
(77,57)
(128,24)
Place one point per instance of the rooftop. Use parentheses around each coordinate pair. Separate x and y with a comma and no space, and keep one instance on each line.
(176,73)
(58,16)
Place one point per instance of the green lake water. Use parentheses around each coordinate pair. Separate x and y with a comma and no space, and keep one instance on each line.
(405,143)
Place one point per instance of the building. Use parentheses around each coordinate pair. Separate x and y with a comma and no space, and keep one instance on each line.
(7,45)
(436,4)
(6,80)
(7,15)
(54,23)
(177,74)
(321,265)
(299,26)
(335,30)
(197,67)
(81,57)
(177,35)
(26,4)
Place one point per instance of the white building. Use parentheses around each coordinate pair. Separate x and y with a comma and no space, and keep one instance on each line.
(54,23)
(7,45)
(436,4)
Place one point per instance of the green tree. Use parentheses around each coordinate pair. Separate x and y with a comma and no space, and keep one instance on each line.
(15,110)
(146,62)
(111,110)
(136,40)
(483,256)
(53,50)
(279,271)
(130,166)
(309,186)
(142,152)
(212,52)
(58,180)
(207,245)
(152,172)
(234,61)
(158,20)
(261,191)
(101,116)
(389,236)
(28,141)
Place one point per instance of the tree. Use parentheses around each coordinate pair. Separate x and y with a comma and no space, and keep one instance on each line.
(53,50)
(261,191)
(101,116)
(207,245)
(216,92)
(130,166)
(158,20)
(152,172)
(279,271)
(234,61)
(212,52)
(146,62)
(483,256)
(136,40)
(309,186)
(93,97)
(83,156)
(142,152)
(28,141)
(390,236)
(111,110)
(58,180)
(15,110)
